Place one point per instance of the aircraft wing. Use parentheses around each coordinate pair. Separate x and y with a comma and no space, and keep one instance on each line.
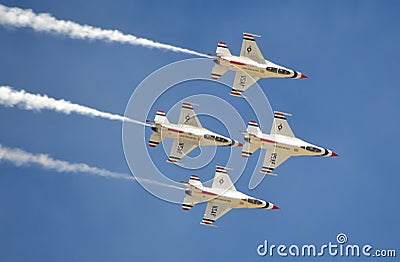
(180,148)
(222,179)
(250,49)
(188,116)
(280,126)
(273,158)
(242,82)
(214,211)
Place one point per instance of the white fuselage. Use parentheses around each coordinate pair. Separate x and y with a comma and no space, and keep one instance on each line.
(261,70)
(231,198)
(200,136)
(291,145)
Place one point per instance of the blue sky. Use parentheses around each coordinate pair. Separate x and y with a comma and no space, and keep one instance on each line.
(349,103)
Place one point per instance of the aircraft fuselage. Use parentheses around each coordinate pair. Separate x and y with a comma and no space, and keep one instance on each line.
(267,70)
(231,198)
(292,145)
(200,136)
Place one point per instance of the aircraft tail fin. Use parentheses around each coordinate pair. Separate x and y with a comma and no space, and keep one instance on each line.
(223,50)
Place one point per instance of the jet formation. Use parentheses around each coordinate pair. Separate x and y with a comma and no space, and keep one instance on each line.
(280,143)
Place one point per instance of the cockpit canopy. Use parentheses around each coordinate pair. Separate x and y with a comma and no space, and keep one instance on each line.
(312,149)
(279,71)
(254,201)
(215,138)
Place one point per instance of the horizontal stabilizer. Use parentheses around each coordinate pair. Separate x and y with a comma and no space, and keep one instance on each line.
(218,71)
(195,181)
(155,139)
(249,148)
(160,117)
(252,128)
(188,202)
(222,49)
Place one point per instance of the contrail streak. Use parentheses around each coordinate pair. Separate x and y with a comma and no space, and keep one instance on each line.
(17,17)
(20,157)
(10,98)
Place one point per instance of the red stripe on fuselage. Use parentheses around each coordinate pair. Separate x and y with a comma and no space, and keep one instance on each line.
(237,63)
(175,130)
(209,193)
(268,141)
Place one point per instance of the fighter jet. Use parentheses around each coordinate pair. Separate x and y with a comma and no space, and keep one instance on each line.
(280,143)
(187,134)
(220,198)
(249,66)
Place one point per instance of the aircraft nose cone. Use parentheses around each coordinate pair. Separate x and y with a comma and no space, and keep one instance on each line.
(236,143)
(303,76)
(334,154)
(275,207)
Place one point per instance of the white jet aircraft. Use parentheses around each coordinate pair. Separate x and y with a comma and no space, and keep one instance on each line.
(187,134)
(220,198)
(249,66)
(280,143)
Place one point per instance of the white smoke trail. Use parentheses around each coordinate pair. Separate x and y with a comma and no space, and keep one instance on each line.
(10,98)
(20,157)
(17,17)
